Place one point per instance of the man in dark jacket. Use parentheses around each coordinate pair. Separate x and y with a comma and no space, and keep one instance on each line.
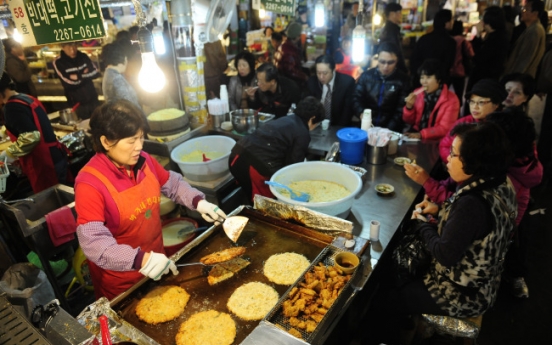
(437,44)
(281,142)
(334,90)
(383,90)
(391,31)
(76,72)
(275,93)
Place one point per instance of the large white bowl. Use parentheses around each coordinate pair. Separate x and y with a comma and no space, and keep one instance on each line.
(325,171)
(204,171)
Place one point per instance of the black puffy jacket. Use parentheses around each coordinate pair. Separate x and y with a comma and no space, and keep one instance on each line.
(76,75)
(384,96)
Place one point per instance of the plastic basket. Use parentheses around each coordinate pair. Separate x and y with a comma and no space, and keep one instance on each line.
(4,173)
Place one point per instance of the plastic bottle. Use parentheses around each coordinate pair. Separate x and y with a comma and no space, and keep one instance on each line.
(224,97)
(366,122)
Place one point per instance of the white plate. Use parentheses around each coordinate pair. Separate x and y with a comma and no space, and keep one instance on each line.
(402,160)
(384,188)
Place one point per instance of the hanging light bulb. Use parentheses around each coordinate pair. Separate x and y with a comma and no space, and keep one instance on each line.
(319,14)
(150,77)
(377,19)
(262,13)
(158,40)
(17,36)
(359,43)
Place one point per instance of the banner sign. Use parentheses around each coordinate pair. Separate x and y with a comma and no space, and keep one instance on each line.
(286,7)
(57,21)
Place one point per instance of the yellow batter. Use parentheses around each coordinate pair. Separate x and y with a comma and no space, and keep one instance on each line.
(197,156)
(319,191)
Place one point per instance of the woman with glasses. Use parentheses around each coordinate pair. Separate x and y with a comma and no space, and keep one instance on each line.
(432,109)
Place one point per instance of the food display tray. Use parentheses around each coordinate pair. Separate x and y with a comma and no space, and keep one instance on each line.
(263,236)
(276,316)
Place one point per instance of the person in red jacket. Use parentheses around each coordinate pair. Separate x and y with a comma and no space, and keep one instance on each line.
(432,109)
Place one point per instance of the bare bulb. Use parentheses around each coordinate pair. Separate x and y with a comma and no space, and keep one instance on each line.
(319,14)
(17,36)
(150,77)
(377,19)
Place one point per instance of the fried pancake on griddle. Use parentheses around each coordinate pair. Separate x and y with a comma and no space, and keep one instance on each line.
(226,270)
(162,304)
(223,255)
(207,328)
(252,301)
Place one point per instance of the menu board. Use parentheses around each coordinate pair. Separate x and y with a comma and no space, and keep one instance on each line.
(57,21)
(286,7)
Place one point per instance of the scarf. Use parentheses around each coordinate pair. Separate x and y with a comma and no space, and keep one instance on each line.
(430,99)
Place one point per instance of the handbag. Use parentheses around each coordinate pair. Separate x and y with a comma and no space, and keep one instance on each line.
(410,257)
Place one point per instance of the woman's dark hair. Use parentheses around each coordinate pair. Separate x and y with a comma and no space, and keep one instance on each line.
(391,7)
(441,19)
(485,150)
(326,59)
(267,28)
(495,18)
(270,71)
(519,129)
(113,54)
(116,120)
(388,47)
(277,36)
(122,35)
(457,28)
(527,83)
(6,82)
(250,59)
(432,67)
(309,107)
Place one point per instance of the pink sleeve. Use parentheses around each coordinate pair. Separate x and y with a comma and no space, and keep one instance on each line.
(446,118)
(444,147)
(439,191)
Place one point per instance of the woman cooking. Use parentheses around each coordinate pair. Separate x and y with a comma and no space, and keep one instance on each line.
(117,198)
(432,109)
(245,64)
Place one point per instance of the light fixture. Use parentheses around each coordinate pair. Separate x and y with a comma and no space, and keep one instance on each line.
(319,14)
(158,40)
(377,19)
(17,36)
(359,43)
(150,77)
(262,13)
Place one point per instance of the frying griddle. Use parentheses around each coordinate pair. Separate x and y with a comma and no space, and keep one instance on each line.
(263,236)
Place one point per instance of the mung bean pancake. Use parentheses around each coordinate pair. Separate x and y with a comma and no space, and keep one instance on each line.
(285,268)
(223,255)
(252,301)
(162,304)
(226,270)
(207,328)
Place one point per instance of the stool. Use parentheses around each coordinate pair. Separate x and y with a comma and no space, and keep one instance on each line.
(467,328)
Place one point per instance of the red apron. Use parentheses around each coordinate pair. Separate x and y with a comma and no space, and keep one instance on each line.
(140,226)
(38,164)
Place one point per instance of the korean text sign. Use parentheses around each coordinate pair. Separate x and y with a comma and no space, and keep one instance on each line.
(286,7)
(56,21)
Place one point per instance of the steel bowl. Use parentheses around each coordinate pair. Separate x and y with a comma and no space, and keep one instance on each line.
(245,121)
(68,116)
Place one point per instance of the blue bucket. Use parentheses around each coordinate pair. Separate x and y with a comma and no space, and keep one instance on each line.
(352,142)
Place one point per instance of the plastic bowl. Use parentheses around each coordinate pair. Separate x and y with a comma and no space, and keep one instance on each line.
(173,241)
(204,171)
(324,171)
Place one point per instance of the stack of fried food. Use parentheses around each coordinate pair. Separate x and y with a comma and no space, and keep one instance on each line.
(308,303)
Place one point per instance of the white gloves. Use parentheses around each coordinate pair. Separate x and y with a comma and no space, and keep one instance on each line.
(5,157)
(157,265)
(211,212)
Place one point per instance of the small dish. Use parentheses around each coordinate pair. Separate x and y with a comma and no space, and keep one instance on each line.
(384,188)
(347,262)
(226,125)
(402,160)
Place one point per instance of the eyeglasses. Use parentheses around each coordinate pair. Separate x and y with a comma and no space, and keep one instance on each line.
(479,103)
(387,62)
(452,155)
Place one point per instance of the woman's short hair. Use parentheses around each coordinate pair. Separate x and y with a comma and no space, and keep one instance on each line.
(519,129)
(441,19)
(113,54)
(485,150)
(457,28)
(116,120)
(309,107)
(527,82)
(432,67)
(495,18)
(326,59)
(248,57)
(277,36)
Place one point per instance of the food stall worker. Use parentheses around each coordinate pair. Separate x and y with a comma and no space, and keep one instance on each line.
(281,142)
(76,72)
(117,196)
(42,157)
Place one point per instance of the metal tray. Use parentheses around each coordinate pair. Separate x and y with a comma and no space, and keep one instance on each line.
(276,316)
(263,236)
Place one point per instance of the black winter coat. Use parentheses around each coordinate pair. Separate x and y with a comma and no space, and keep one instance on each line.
(342,96)
(490,57)
(437,44)
(76,76)
(286,94)
(384,96)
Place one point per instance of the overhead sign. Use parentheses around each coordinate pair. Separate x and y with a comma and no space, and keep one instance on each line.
(286,7)
(57,21)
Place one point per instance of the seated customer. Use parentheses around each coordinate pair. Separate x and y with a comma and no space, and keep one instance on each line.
(114,84)
(468,242)
(245,64)
(334,90)
(275,93)
(432,109)
(281,142)
(484,98)
(520,88)
(383,89)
